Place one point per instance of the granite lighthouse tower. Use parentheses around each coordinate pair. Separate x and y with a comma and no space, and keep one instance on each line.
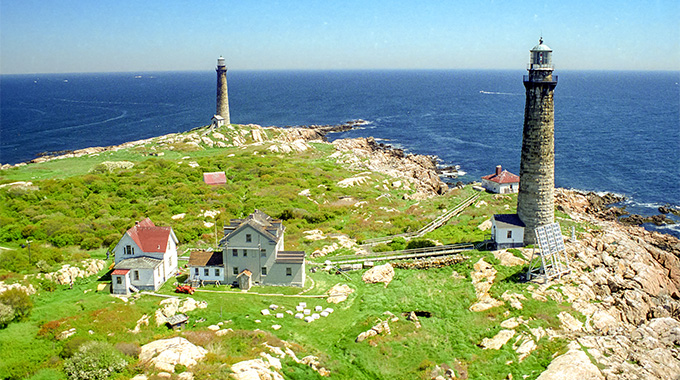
(222,94)
(536,198)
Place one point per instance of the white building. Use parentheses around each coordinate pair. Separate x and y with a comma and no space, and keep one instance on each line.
(253,254)
(501,181)
(507,231)
(206,267)
(145,257)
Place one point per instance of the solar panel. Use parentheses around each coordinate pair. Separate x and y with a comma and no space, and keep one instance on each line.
(553,258)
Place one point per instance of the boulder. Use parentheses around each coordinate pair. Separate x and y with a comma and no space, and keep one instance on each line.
(255,369)
(498,340)
(381,273)
(164,354)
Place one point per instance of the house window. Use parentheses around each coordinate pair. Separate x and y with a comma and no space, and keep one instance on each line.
(234,252)
(129,250)
(206,272)
(136,277)
(119,280)
(235,270)
(196,271)
(217,271)
(263,253)
(245,253)
(264,271)
(509,234)
(249,238)
(289,271)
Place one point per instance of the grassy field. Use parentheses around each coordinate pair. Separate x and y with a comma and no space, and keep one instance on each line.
(71,212)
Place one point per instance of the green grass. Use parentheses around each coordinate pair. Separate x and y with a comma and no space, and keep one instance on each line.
(159,187)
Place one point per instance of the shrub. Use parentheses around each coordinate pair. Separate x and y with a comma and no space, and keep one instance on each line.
(129,349)
(72,345)
(90,243)
(94,361)
(6,314)
(413,244)
(19,301)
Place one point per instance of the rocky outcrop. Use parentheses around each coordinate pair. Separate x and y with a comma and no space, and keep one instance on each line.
(68,274)
(482,280)
(626,282)
(365,154)
(174,305)
(574,365)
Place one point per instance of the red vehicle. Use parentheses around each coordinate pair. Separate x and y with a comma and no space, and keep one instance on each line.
(186,289)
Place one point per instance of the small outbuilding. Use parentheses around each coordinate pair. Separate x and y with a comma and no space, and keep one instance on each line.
(206,266)
(501,181)
(507,231)
(215,178)
(217,121)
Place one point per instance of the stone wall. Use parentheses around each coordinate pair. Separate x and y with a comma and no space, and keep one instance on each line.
(535,201)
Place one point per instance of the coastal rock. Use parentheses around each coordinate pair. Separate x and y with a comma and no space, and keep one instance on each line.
(498,340)
(574,365)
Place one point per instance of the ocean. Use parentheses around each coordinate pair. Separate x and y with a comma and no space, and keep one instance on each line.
(614,131)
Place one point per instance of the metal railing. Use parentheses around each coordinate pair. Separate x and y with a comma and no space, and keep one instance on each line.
(438,222)
(528,78)
(439,250)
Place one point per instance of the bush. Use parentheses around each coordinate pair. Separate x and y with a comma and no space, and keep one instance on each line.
(90,243)
(6,314)
(94,361)
(129,349)
(19,301)
(72,346)
(413,244)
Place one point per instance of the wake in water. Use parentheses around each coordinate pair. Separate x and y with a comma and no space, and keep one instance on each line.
(496,93)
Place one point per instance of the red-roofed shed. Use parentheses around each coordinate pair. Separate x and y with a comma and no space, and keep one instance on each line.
(215,178)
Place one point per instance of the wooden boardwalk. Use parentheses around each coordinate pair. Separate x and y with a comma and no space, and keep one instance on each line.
(440,221)
(436,251)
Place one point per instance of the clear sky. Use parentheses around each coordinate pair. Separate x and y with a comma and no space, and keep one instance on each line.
(98,36)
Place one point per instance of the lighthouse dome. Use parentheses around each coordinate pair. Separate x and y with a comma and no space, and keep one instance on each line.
(541,46)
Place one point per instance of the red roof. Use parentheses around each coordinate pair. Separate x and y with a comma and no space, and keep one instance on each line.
(504,177)
(120,271)
(215,178)
(149,237)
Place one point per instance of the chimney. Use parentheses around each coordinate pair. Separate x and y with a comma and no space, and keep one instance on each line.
(136,222)
(498,170)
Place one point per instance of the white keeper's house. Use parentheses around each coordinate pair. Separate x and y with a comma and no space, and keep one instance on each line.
(507,231)
(145,257)
(501,181)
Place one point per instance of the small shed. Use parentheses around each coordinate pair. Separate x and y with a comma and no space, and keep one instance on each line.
(501,181)
(177,321)
(120,281)
(215,178)
(244,279)
(507,231)
(217,121)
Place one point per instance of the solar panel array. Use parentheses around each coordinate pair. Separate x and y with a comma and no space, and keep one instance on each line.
(550,239)
(552,248)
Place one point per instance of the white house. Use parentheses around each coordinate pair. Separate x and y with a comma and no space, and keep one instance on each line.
(501,181)
(145,257)
(205,267)
(507,231)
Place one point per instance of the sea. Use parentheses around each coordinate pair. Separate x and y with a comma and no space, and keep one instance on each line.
(615,131)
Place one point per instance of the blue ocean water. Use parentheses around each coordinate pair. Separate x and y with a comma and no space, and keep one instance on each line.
(614,131)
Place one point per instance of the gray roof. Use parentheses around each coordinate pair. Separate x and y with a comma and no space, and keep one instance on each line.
(143,262)
(290,257)
(508,221)
(271,228)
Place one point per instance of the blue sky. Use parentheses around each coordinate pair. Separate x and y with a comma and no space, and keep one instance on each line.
(99,36)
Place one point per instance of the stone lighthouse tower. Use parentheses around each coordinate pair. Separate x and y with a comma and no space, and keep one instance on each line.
(222,94)
(536,198)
